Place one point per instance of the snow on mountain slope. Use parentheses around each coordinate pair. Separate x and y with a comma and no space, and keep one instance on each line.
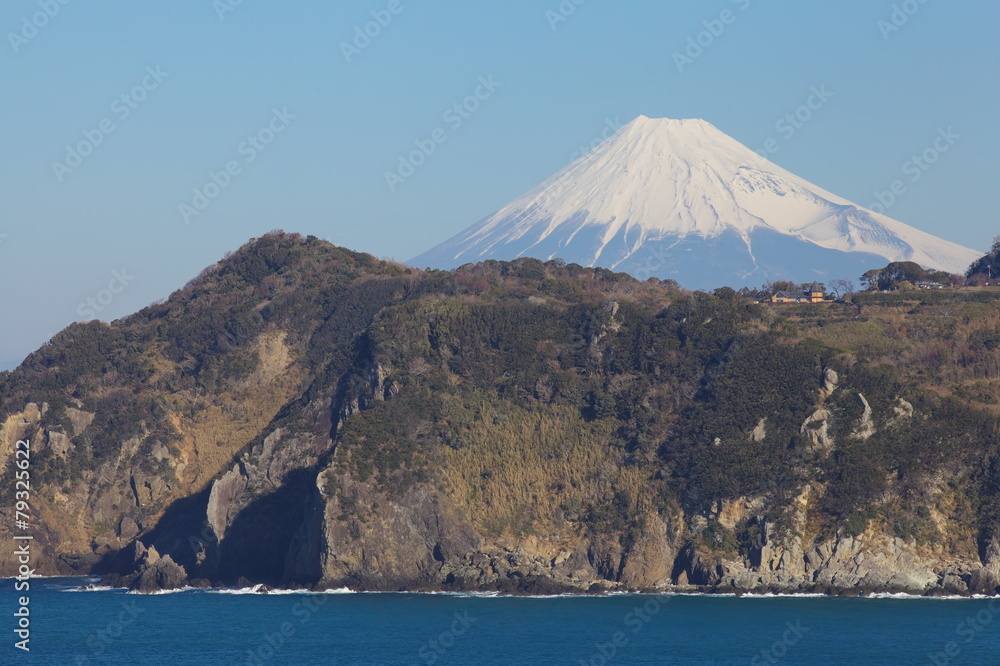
(659,193)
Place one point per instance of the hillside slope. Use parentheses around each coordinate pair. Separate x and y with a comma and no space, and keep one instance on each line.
(304,415)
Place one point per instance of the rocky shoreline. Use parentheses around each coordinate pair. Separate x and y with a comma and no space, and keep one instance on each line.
(548,589)
(520,428)
(516,574)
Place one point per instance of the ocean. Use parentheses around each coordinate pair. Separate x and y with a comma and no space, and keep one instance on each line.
(70,627)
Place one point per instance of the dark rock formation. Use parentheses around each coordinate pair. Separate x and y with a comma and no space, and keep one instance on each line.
(304,416)
(150,573)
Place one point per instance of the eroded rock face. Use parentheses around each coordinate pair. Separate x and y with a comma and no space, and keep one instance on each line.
(830,382)
(787,560)
(817,429)
(405,542)
(866,427)
(227,471)
(223,501)
(128,529)
(869,562)
(271,505)
(80,419)
(991,557)
(649,562)
(153,573)
(334,530)
(872,562)
(421,541)
(162,575)
(18,426)
(817,426)
(59,443)
(902,410)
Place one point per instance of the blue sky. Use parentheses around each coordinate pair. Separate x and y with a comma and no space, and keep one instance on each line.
(164,95)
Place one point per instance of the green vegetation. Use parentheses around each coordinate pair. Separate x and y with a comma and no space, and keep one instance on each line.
(987,267)
(902,275)
(541,395)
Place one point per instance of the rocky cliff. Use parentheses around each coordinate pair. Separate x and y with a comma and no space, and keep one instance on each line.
(301,415)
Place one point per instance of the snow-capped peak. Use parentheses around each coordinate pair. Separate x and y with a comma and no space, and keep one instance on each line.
(670,184)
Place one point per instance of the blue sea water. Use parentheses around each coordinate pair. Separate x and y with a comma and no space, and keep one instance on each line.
(70,627)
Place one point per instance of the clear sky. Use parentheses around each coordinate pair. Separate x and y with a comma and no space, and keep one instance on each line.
(115,113)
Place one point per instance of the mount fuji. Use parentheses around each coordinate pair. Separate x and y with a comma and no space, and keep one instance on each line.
(680,199)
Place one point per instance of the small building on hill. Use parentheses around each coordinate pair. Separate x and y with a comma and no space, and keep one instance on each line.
(816,293)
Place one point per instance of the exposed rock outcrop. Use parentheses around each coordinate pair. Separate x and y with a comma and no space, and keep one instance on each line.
(159,575)
(304,416)
(152,573)
(866,427)
(817,429)
(223,503)
(830,382)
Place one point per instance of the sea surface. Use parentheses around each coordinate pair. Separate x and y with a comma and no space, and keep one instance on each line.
(69,626)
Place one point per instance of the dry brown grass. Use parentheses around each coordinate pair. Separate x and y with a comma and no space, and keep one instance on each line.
(526,467)
(217,433)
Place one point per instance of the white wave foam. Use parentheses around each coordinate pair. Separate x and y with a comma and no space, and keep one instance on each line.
(92,588)
(948,597)
(158,592)
(255,589)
